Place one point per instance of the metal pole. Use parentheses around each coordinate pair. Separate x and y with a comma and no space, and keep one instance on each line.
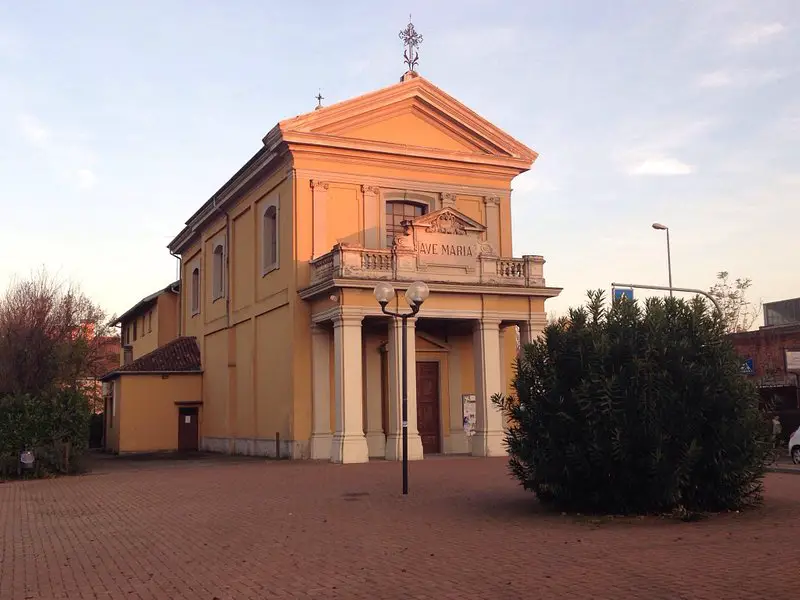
(404,422)
(677,289)
(669,265)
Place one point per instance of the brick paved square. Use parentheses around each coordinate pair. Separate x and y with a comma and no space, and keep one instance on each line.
(246,529)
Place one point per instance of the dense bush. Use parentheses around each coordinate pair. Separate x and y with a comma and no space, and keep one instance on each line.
(636,410)
(55,427)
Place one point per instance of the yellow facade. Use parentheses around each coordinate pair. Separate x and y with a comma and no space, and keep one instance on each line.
(150,324)
(278,270)
(143,414)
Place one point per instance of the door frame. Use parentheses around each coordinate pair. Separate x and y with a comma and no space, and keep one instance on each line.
(439,360)
(197,406)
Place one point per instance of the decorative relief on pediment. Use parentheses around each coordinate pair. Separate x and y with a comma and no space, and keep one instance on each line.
(447,223)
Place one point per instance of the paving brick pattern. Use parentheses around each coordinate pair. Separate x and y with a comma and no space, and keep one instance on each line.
(245,529)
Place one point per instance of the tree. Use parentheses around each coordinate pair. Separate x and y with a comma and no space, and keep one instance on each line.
(636,410)
(737,312)
(53,346)
(51,336)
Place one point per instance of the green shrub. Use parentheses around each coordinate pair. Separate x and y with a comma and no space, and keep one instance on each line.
(631,410)
(55,427)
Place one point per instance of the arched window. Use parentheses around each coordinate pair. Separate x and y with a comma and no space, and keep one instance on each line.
(398,211)
(195,291)
(218,271)
(270,237)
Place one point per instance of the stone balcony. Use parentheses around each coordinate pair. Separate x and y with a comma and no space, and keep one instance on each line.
(444,247)
(354,262)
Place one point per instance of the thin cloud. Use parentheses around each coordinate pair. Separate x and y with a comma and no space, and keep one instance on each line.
(757,34)
(741,78)
(661,166)
(33,130)
(86,178)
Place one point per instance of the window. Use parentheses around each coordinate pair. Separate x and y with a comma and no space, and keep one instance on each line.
(195,291)
(398,211)
(150,321)
(135,325)
(270,239)
(218,272)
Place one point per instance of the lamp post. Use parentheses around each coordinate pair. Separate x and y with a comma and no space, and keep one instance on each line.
(416,294)
(661,227)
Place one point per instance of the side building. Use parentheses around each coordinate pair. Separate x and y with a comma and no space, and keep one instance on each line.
(150,323)
(278,268)
(151,398)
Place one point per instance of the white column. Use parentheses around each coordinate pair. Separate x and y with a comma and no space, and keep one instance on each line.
(321,392)
(349,444)
(319,218)
(493,221)
(376,440)
(394,439)
(488,438)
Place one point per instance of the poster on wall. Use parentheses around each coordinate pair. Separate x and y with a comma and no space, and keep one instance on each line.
(468,412)
(793,361)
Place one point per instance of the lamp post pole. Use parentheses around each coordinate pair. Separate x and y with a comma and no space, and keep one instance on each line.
(661,227)
(415,295)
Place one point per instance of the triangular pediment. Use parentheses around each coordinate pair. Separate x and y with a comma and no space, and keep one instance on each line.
(413,114)
(448,221)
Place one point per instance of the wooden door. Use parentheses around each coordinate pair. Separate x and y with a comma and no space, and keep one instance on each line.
(188,428)
(428,406)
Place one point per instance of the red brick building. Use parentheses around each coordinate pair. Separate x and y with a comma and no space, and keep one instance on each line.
(769,357)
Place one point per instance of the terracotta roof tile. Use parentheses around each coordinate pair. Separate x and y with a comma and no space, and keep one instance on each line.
(180,355)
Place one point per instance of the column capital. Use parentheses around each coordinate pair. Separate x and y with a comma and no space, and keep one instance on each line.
(370,189)
(488,323)
(348,318)
(491,200)
(317,184)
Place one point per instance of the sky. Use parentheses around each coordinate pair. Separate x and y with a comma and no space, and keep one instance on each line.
(119,120)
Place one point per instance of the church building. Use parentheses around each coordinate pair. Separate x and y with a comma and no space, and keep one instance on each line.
(278,271)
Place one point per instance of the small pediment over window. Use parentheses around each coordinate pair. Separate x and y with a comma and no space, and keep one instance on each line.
(448,221)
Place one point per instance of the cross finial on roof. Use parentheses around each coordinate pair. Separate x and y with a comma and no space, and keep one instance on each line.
(319,98)
(411,40)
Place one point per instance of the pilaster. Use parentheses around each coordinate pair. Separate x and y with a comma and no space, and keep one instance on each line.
(319,227)
(372,216)
(376,439)
(493,221)
(448,200)
(321,437)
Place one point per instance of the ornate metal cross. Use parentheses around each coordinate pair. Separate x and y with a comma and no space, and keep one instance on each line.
(412,40)
(319,98)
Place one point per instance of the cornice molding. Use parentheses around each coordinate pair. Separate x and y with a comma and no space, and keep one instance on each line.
(400,184)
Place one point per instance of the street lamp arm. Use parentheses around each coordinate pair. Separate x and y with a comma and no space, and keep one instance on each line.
(666,289)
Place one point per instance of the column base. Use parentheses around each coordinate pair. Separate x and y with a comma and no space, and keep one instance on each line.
(488,443)
(376,442)
(321,446)
(349,448)
(394,446)
(458,442)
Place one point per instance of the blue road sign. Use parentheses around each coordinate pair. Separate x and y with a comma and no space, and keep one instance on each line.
(747,367)
(623,293)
